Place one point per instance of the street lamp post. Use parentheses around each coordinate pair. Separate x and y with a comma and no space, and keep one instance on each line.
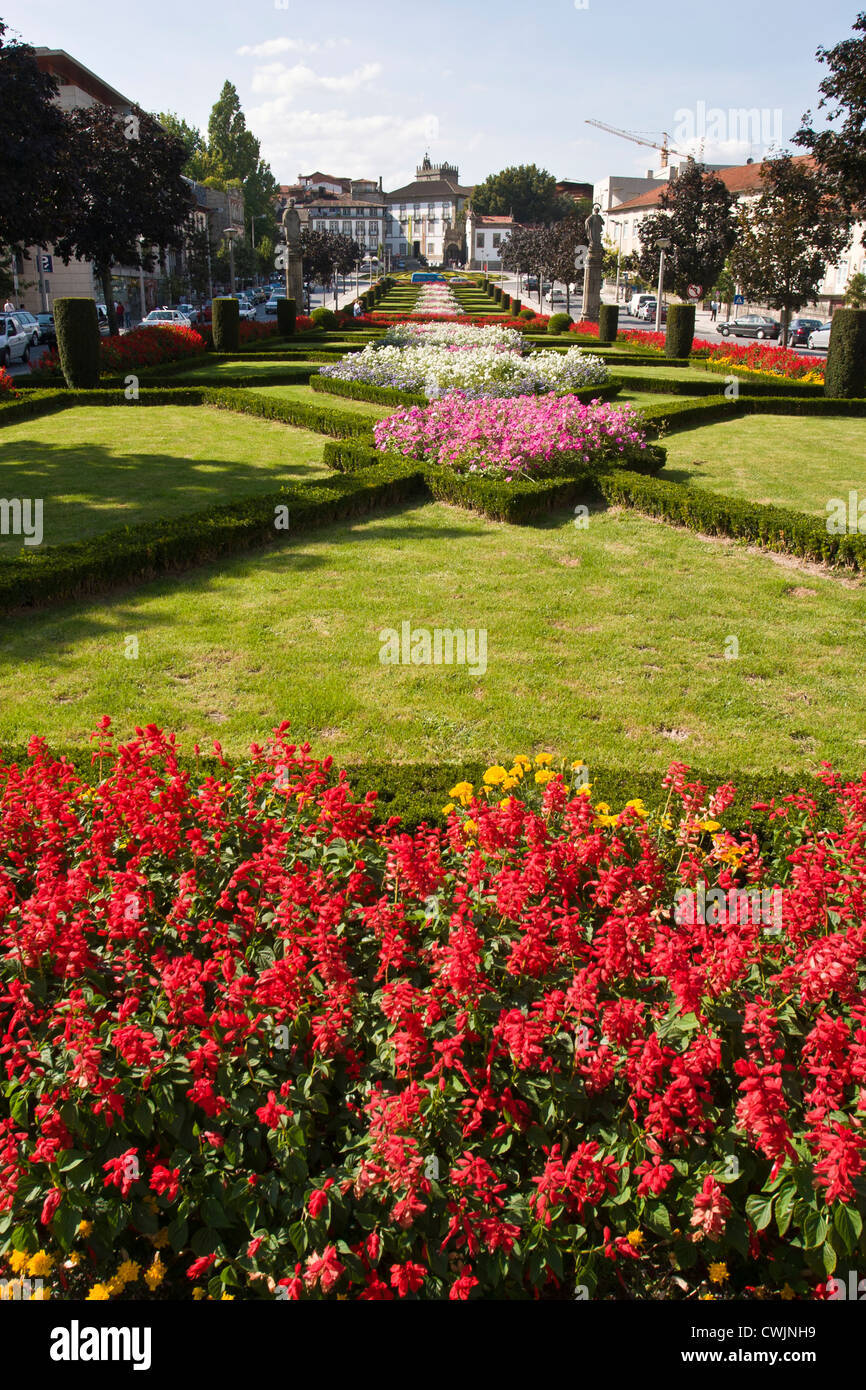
(140,240)
(231,233)
(619,258)
(663,243)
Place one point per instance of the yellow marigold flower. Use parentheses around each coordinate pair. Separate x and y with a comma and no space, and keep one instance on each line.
(602,807)
(154,1275)
(18,1260)
(787,1293)
(98,1294)
(40,1295)
(522,761)
(150,1201)
(517,772)
(709,825)
(115,1285)
(129,1271)
(544,760)
(469,827)
(227,1298)
(494,775)
(543,775)
(578,762)
(708,1297)
(638,806)
(583,790)
(509,783)
(198,1293)
(718,1273)
(635,1239)
(506,801)
(463,789)
(74,1259)
(160,1240)
(446,810)
(41,1263)
(85,1228)
(608,821)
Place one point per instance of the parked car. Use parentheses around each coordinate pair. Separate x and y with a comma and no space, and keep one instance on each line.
(28,323)
(820,337)
(47,332)
(246,310)
(647,311)
(14,341)
(162,318)
(555,296)
(637,299)
(190,312)
(799,330)
(751,326)
(271,306)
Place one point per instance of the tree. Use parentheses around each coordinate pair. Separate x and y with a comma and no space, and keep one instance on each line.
(265,251)
(559,245)
(855,291)
(131,186)
(234,153)
(841,153)
(726,286)
(696,216)
(524,252)
(38,186)
(199,255)
(786,237)
(193,143)
(524,191)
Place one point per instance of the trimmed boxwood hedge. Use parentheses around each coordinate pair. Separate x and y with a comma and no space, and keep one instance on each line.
(683,415)
(608,321)
(364,391)
(286,316)
(776,528)
(77,328)
(128,555)
(226,324)
(845,373)
(680,333)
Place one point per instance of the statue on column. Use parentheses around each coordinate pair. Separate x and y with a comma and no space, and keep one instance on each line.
(294,266)
(592,271)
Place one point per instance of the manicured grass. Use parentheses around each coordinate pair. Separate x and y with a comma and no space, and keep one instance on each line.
(98,467)
(790,461)
(253,367)
(607,643)
(302,392)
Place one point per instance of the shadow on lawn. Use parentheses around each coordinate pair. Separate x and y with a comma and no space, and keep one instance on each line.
(126,488)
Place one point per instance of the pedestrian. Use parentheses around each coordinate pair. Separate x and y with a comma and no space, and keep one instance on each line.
(714,309)
(356,309)
(9,307)
(119,311)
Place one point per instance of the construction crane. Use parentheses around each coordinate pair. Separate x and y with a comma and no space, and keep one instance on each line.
(637,140)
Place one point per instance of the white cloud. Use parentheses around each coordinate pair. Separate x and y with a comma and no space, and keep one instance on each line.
(339,142)
(277,80)
(269,47)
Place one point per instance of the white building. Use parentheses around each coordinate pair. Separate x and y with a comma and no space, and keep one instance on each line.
(423,215)
(484,238)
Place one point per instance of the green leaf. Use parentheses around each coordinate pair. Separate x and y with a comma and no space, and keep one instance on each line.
(204,1241)
(828,1255)
(214,1214)
(848,1224)
(759,1209)
(815,1228)
(784,1206)
(178,1232)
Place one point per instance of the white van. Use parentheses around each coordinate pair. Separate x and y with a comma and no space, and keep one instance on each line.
(635,302)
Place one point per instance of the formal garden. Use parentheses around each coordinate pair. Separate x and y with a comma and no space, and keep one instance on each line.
(433,847)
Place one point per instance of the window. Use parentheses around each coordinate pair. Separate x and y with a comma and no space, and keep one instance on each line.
(497,237)
(347,227)
(479,241)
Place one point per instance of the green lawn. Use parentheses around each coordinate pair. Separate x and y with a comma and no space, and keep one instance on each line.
(606,643)
(252,367)
(98,467)
(790,461)
(301,392)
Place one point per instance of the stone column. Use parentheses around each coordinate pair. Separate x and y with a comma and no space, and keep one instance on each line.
(592,284)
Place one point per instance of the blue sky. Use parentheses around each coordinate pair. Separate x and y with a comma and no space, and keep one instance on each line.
(363,90)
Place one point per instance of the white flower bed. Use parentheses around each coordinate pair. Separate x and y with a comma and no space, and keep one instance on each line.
(452,335)
(475,371)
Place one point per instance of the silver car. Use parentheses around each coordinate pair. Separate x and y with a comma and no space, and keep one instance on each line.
(820,337)
(14,341)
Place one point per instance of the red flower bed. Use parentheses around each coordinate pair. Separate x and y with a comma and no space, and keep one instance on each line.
(7,384)
(761,357)
(585,327)
(142,347)
(538,324)
(252,1045)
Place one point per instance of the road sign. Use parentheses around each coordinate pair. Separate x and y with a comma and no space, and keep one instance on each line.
(46,263)
(695,291)
(739,299)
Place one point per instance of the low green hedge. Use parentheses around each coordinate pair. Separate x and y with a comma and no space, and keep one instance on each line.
(681,415)
(363,391)
(764,383)
(130,555)
(776,528)
(516,502)
(323,419)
